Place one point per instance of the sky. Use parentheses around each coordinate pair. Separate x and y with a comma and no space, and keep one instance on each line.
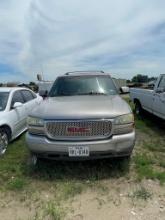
(123,38)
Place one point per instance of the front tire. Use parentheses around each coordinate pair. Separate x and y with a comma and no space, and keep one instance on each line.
(4,141)
(138,108)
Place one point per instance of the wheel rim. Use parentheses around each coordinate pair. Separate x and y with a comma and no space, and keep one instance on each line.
(3,142)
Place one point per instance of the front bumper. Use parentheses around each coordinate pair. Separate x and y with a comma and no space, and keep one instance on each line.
(116,146)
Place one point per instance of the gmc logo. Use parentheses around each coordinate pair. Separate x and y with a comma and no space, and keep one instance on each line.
(77,129)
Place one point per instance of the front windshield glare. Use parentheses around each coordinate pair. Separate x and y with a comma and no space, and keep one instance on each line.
(83,85)
(3,100)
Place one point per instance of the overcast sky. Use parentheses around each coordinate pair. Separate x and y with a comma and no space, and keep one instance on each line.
(121,37)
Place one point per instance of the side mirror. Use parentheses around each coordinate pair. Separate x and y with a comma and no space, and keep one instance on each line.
(17,104)
(124,89)
(43,93)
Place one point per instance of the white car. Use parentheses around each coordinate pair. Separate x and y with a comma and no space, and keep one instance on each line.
(15,105)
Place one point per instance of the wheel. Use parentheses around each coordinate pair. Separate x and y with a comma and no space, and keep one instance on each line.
(4,141)
(138,108)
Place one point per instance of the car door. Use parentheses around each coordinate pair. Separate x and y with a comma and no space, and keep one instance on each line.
(17,115)
(30,100)
(159,99)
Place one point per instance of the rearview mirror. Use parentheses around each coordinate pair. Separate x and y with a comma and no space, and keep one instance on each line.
(124,89)
(17,104)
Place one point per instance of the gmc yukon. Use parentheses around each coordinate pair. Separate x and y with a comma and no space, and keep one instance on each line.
(83,117)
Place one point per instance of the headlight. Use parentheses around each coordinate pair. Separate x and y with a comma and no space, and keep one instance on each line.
(33,121)
(124,119)
(124,124)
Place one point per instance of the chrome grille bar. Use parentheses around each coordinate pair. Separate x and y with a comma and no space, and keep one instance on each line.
(78,129)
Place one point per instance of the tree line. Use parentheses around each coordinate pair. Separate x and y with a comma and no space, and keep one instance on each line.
(139,78)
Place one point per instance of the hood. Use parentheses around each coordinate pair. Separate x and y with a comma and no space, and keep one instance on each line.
(81,107)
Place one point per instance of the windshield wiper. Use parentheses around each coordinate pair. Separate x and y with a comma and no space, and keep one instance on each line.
(85,93)
(92,93)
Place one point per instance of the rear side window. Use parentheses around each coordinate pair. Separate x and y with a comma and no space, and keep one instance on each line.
(28,96)
(17,97)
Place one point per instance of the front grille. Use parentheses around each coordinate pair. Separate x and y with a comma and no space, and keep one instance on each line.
(82,130)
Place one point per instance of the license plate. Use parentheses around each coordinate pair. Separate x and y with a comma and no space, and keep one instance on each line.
(78,151)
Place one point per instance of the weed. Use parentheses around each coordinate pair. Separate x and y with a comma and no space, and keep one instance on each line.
(53,211)
(141,193)
(70,189)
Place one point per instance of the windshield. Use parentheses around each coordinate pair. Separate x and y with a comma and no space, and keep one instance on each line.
(83,85)
(3,100)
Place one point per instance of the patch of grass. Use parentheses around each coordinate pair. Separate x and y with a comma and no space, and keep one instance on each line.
(142,160)
(50,210)
(16,184)
(162,163)
(53,211)
(141,193)
(156,145)
(70,189)
(11,164)
(145,169)
(143,166)
(142,125)
(160,176)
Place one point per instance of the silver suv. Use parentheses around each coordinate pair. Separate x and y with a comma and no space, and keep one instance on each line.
(83,117)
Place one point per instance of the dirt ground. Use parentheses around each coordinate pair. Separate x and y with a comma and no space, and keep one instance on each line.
(119,204)
(113,200)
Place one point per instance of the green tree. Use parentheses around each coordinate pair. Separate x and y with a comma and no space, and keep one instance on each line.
(140,79)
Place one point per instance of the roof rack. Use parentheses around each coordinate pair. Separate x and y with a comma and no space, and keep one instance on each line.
(84,72)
